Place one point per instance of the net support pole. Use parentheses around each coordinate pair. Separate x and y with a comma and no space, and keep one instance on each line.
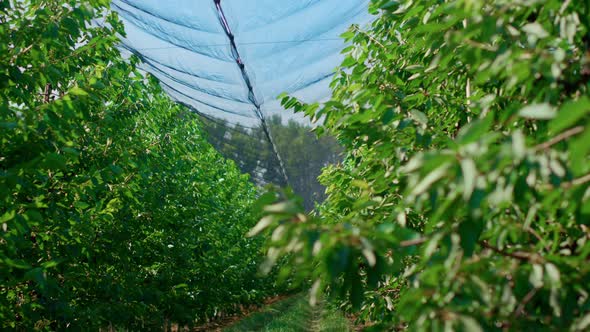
(251,95)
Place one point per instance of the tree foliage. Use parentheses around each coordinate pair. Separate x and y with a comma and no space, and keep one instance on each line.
(114,211)
(463,202)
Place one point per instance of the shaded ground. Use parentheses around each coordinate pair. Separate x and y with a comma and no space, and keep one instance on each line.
(220,324)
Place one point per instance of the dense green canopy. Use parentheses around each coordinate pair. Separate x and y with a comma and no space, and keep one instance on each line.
(114,210)
(464,200)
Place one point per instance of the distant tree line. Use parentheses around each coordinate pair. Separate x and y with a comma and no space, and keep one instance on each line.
(303,154)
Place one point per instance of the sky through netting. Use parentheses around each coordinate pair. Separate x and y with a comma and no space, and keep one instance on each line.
(228,60)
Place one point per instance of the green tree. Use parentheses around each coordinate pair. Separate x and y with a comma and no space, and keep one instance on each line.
(463,202)
(114,210)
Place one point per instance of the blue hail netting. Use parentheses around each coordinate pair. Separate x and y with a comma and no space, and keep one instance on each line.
(230,59)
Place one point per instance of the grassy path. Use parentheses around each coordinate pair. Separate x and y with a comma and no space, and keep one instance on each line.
(293,315)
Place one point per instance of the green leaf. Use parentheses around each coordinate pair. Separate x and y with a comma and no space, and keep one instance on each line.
(469,231)
(77,91)
(430,179)
(474,131)
(469,177)
(348,35)
(261,225)
(19,263)
(569,114)
(81,205)
(388,115)
(470,324)
(348,62)
(536,276)
(287,207)
(579,150)
(50,264)
(419,117)
(55,161)
(541,111)
(582,324)
(552,274)
(7,216)
(518,144)
(360,184)
(264,200)
(535,29)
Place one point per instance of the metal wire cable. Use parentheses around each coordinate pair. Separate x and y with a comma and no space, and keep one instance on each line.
(251,95)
